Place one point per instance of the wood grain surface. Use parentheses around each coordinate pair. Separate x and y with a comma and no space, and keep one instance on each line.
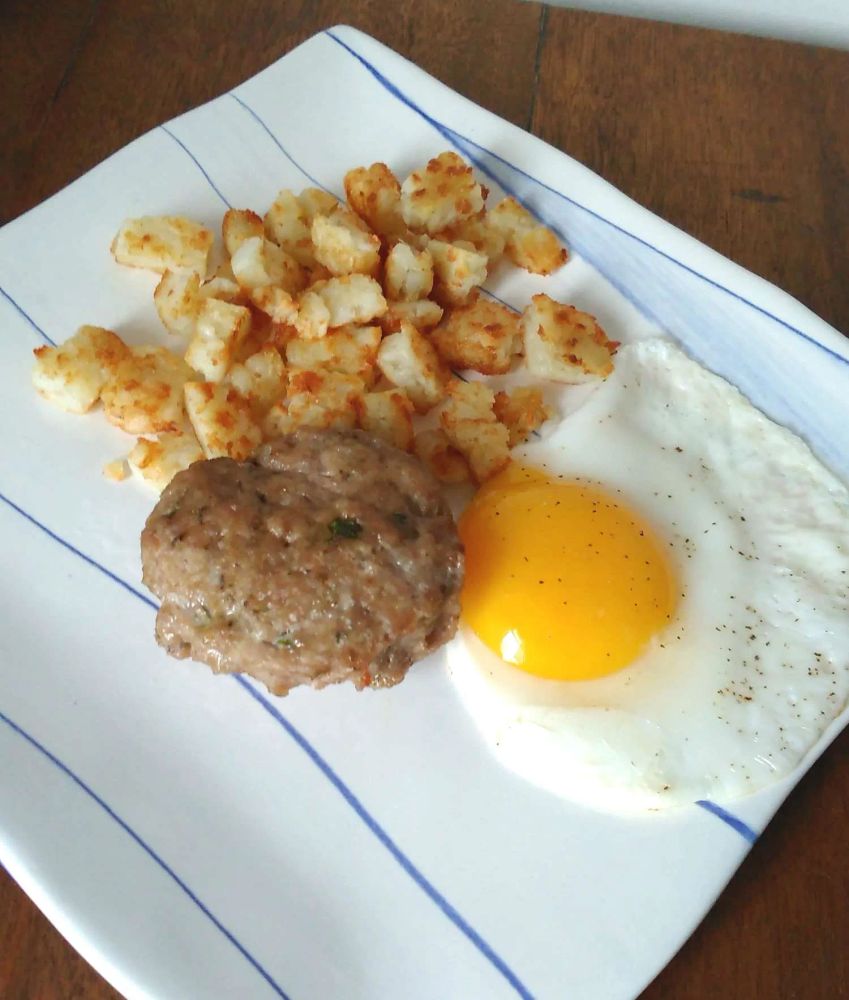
(742,142)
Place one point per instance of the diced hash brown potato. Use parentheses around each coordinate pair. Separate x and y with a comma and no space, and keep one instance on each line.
(410,362)
(239,225)
(467,401)
(521,411)
(323,399)
(72,375)
(224,288)
(157,462)
(350,350)
(117,470)
(177,299)
(408,273)
(343,244)
(145,393)
(223,420)
(276,303)
(483,336)
(351,298)
(564,344)
(485,445)
(442,193)
(261,379)
(528,243)
(163,243)
(259,262)
(315,201)
(458,269)
(219,331)
(287,224)
(440,456)
(423,314)
(375,195)
(313,316)
(480,231)
(388,415)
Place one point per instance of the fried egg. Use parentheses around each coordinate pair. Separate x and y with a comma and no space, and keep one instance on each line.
(656,608)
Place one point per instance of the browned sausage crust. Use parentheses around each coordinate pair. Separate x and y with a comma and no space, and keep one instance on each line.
(328,556)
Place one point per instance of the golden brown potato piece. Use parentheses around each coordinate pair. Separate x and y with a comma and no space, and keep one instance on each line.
(483,336)
(388,415)
(259,262)
(316,399)
(458,270)
(480,232)
(72,375)
(287,223)
(157,462)
(522,411)
(423,314)
(564,344)
(343,244)
(528,243)
(163,243)
(440,456)
(472,428)
(351,298)
(261,379)
(441,194)
(375,195)
(409,361)
(239,225)
(223,420)
(351,350)
(177,299)
(408,273)
(145,393)
(220,330)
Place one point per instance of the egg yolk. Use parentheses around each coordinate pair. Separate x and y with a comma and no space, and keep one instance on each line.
(562,580)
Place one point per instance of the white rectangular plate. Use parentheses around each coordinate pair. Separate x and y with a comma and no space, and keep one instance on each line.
(192,836)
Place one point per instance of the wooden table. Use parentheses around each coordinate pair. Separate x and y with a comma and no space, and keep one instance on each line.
(742,142)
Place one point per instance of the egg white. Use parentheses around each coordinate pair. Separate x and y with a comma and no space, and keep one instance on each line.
(739,687)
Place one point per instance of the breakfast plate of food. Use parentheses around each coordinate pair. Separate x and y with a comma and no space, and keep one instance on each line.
(427,570)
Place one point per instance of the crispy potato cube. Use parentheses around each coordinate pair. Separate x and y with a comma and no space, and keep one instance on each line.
(467,401)
(117,470)
(323,399)
(220,329)
(144,395)
(313,317)
(409,361)
(163,243)
(276,303)
(261,378)
(351,298)
(483,336)
(343,244)
(458,269)
(259,262)
(157,462)
(388,415)
(72,375)
(564,344)
(480,232)
(239,225)
(277,421)
(177,299)
(485,445)
(440,456)
(409,273)
(423,314)
(315,201)
(375,195)
(351,350)
(287,223)
(521,411)
(441,194)
(528,243)
(223,420)
(223,288)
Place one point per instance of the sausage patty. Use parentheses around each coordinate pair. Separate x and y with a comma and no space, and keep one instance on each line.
(328,556)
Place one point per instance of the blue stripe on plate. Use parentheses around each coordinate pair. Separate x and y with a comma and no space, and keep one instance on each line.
(344,790)
(280,145)
(27,317)
(197,163)
(745,831)
(151,853)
